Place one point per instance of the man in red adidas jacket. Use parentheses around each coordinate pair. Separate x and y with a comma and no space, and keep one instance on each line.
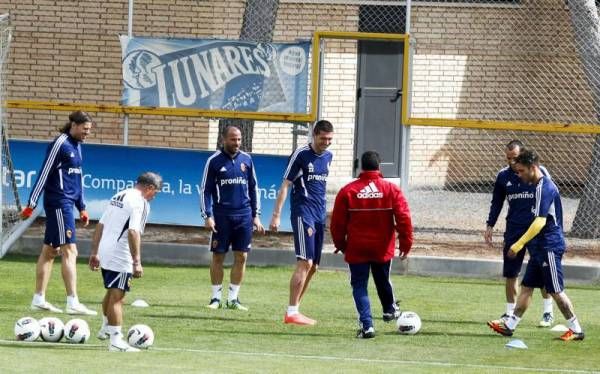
(366,217)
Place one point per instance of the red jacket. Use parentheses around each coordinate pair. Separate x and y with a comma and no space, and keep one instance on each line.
(366,215)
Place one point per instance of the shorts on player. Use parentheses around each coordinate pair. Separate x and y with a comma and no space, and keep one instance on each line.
(115,279)
(60,226)
(545,270)
(234,231)
(511,267)
(308,240)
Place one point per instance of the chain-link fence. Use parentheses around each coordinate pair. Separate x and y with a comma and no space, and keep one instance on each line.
(530,61)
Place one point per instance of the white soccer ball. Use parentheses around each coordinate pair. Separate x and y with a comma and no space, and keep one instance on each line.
(140,336)
(77,331)
(52,329)
(27,329)
(409,323)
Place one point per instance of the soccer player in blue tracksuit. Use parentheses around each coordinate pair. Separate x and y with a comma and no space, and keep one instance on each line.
(60,179)
(546,244)
(230,206)
(510,187)
(307,171)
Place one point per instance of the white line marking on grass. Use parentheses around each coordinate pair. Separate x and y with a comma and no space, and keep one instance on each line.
(315,357)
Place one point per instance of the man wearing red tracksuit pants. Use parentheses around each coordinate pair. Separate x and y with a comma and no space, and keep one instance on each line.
(366,217)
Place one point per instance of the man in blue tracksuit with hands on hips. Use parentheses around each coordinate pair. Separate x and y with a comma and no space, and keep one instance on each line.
(230,206)
(510,187)
(61,181)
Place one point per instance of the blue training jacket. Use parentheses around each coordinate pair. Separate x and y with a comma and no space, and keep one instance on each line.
(61,176)
(229,185)
(519,195)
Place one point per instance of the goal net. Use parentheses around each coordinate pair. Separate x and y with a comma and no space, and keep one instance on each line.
(11,206)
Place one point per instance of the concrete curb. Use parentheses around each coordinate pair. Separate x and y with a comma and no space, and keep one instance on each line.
(199,255)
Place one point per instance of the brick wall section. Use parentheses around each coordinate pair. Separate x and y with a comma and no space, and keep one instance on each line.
(299,21)
(71,53)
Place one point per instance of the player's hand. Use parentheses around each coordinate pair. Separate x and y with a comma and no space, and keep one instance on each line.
(27,212)
(403,254)
(275,222)
(512,252)
(210,224)
(258,226)
(138,271)
(94,262)
(84,217)
(487,235)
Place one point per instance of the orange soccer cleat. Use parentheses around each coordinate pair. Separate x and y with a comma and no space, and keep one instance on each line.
(572,335)
(299,319)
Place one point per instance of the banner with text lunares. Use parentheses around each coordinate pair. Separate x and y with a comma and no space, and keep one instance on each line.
(108,169)
(215,74)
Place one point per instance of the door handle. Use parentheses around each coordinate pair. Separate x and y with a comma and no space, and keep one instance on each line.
(397,96)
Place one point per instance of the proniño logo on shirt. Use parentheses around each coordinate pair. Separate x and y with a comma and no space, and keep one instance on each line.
(74,171)
(520,195)
(237,180)
(317,177)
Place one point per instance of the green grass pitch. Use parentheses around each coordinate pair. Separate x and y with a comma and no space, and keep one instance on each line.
(191,338)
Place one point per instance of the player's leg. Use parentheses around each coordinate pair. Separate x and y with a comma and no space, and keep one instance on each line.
(511,268)
(103,333)
(385,291)
(297,281)
(68,251)
(43,268)
(317,244)
(241,244)
(359,280)
(116,284)
(43,271)
(511,289)
(219,245)
(304,262)
(554,284)
(532,279)
(311,272)
(548,312)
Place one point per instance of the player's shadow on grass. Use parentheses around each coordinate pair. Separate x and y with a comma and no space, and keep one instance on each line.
(209,317)
(62,346)
(454,322)
(457,334)
(291,333)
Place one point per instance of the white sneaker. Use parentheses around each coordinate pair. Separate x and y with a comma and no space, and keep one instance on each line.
(102,334)
(214,304)
(46,306)
(121,346)
(80,309)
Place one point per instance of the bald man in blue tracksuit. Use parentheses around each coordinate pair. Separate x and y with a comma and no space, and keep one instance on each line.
(230,206)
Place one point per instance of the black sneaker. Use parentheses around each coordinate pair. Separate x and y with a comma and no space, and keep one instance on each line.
(389,317)
(366,333)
